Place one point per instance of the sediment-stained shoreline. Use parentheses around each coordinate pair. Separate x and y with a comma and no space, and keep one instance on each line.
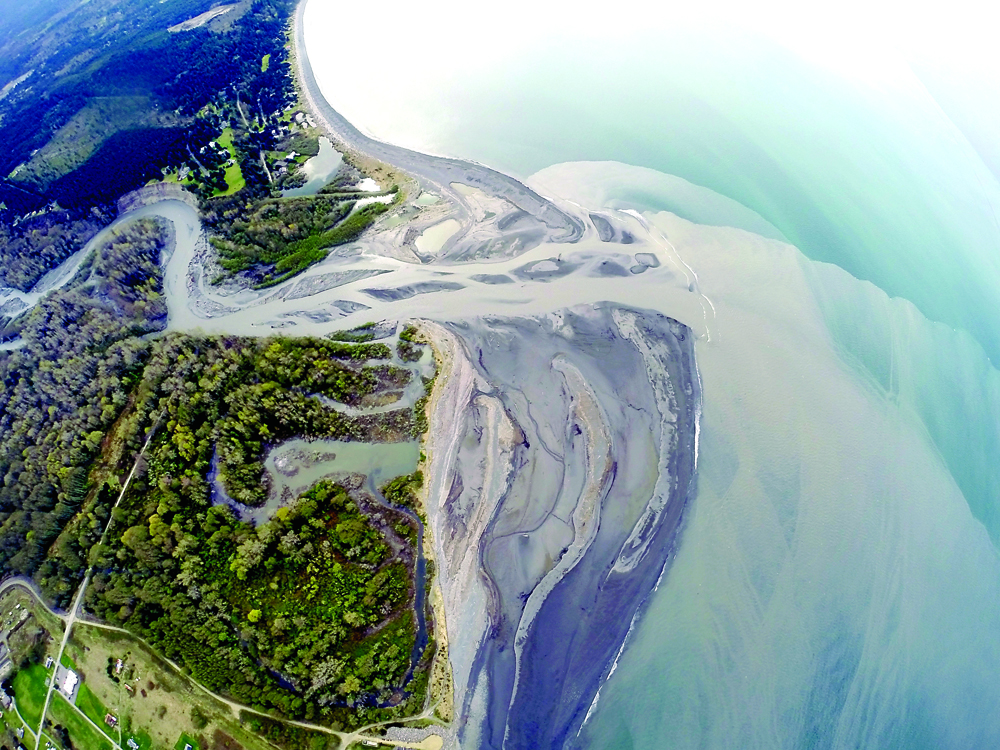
(786,606)
(549,445)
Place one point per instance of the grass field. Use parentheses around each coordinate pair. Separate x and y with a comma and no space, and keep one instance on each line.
(185,740)
(12,721)
(29,692)
(81,734)
(265,63)
(164,712)
(234,175)
(91,705)
(234,180)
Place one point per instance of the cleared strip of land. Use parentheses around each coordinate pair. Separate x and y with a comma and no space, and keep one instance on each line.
(200,20)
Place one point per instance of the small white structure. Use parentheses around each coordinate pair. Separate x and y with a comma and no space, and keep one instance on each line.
(133,744)
(48,663)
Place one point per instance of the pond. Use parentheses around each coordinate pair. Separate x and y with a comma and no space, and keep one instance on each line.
(318,170)
(433,238)
(296,465)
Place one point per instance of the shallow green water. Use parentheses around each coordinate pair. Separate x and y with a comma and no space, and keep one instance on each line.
(318,170)
(838,581)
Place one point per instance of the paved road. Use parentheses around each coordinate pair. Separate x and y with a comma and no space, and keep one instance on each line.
(82,619)
(78,599)
(62,647)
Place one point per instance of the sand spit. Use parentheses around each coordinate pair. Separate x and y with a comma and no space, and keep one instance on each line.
(456,401)
(551,452)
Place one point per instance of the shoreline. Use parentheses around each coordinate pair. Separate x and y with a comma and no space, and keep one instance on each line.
(431,173)
(441,680)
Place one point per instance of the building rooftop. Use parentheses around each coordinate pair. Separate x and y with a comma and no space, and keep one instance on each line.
(69,682)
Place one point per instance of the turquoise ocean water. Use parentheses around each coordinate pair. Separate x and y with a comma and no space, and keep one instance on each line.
(838,581)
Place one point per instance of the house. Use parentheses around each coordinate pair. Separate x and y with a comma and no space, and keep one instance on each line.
(5,701)
(133,744)
(187,747)
(48,663)
(111,721)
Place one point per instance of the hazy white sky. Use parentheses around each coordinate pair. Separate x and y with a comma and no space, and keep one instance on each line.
(850,35)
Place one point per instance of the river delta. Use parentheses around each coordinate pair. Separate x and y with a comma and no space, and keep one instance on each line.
(685,485)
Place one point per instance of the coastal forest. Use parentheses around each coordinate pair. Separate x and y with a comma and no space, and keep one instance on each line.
(97,117)
(82,127)
(273,240)
(309,613)
(210,107)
